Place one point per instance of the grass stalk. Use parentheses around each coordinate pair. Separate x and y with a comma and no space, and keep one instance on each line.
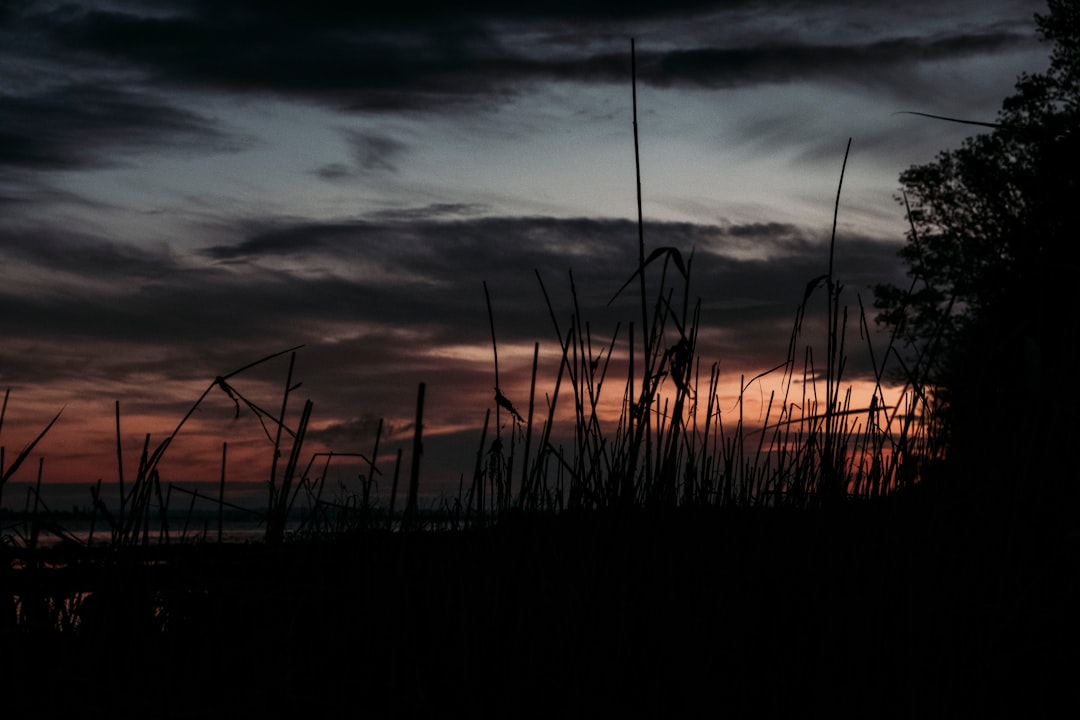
(393,491)
(523,490)
(476,493)
(221,494)
(119,463)
(411,508)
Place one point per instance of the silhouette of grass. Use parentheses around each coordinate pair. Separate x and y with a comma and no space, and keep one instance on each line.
(656,561)
(645,559)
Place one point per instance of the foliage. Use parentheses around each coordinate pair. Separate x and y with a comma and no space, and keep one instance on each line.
(991,313)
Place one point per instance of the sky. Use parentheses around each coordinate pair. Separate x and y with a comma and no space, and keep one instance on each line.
(187,187)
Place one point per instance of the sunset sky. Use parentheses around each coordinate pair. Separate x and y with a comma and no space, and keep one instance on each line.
(189,186)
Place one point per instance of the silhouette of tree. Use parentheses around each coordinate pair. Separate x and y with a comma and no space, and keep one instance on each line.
(992,253)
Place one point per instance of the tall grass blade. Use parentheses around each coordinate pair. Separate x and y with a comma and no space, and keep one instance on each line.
(21,457)
(411,508)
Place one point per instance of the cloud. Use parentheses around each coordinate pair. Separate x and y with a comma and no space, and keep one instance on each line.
(88,88)
(341,56)
(169,323)
(66,253)
(395,287)
(429,212)
(334,172)
(347,432)
(372,153)
(727,67)
(94,125)
(436,270)
(433,57)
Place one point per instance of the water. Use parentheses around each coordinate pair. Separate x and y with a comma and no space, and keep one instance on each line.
(197,528)
(192,516)
(192,512)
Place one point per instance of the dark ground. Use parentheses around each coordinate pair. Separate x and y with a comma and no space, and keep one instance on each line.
(906,608)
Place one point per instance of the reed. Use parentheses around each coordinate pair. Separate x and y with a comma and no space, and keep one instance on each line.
(670,446)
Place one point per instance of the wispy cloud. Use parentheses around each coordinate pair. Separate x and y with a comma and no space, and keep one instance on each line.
(83,125)
(372,154)
(870,63)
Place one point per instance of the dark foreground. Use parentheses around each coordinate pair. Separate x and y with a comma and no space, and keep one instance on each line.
(892,610)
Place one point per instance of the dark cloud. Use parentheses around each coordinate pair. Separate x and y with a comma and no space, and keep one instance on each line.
(345,56)
(72,253)
(334,172)
(388,287)
(332,14)
(375,152)
(770,229)
(87,87)
(751,276)
(784,63)
(433,56)
(79,125)
(372,153)
(168,323)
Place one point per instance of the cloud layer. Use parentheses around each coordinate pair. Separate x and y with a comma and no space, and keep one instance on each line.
(428,58)
(190,186)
